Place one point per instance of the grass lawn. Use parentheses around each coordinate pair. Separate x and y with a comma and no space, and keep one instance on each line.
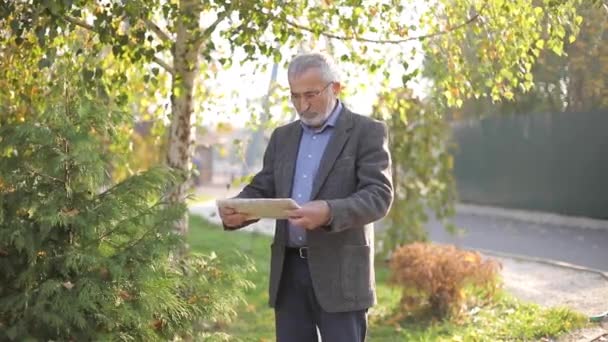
(507,319)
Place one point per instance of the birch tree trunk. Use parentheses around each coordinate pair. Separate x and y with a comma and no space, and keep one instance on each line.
(186,66)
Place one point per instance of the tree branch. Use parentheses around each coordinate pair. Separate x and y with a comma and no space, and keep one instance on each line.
(209,30)
(164,65)
(78,22)
(120,224)
(32,171)
(158,31)
(83,24)
(392,41)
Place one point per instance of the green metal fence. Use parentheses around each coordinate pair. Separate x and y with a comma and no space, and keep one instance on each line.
(547,162)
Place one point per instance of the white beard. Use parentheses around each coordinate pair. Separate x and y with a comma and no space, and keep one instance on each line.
(315,119)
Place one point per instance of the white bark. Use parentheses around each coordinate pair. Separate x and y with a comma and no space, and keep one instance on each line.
(185,66)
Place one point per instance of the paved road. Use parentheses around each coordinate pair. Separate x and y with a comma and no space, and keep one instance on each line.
(580,246)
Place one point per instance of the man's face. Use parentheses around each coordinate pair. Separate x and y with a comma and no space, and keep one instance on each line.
(313,97)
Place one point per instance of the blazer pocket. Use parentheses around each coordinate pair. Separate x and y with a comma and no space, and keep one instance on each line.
(355,272)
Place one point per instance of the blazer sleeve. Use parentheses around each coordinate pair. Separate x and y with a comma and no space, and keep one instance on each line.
(374,194)
(262,184)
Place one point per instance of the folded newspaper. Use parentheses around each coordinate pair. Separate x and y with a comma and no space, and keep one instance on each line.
(275,208)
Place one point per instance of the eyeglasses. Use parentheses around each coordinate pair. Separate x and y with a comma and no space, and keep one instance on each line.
(309,95)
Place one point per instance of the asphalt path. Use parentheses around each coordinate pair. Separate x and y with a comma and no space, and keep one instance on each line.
(587,247)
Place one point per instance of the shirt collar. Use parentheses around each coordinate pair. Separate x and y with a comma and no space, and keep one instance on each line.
(331,120)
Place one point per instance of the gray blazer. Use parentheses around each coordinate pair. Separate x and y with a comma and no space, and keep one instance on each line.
(354,178)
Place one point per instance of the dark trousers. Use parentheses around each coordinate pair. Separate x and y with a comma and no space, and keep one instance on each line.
(298,313)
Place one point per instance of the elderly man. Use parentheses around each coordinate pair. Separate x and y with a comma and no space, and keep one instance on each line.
(336,165)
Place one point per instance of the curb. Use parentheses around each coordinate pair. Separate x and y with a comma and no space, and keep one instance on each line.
(538,217)
(549,262)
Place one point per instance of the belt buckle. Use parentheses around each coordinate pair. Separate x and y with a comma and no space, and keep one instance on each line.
(303,251)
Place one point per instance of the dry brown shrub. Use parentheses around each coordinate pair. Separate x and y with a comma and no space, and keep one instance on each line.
(435,276)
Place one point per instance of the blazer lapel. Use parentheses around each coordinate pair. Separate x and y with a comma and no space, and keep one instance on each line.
(332,151)
(290,147)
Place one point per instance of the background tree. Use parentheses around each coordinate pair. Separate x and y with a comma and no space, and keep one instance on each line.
(569,77)
(489,58)
(372,39)
(494,58)
(422,166)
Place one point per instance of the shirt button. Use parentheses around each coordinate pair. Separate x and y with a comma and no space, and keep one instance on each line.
(299,195)
(314,137)
(300,238)
(310,156)
(304,176)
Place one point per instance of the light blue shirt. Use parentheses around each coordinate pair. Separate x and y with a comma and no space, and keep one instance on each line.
(310,152)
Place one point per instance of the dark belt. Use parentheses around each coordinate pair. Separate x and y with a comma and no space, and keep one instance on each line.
(302,252)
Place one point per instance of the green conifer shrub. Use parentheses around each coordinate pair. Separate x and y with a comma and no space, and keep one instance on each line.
(81,258)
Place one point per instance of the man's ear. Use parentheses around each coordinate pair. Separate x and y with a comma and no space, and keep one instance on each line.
(336,87)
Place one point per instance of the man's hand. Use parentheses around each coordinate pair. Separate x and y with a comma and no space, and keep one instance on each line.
(232,219)
(311,215)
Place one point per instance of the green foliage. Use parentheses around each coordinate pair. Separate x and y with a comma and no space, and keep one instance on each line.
(494,56)
(574,81)
(255,318)
(422,166)
(83,258)
(475,48)
(31,86)
(488,57)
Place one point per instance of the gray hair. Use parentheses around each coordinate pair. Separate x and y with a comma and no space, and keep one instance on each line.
(306,61)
